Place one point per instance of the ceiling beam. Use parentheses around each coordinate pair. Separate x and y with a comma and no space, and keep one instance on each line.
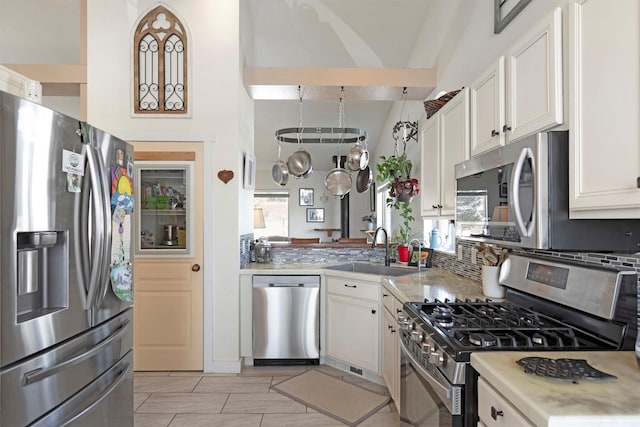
(375,84)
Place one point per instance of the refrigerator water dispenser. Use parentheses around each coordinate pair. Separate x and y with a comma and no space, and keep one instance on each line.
(42,277)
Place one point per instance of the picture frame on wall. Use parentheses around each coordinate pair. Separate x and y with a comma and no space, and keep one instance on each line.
(249,177)
(306,197)
(315,214)
(505,11)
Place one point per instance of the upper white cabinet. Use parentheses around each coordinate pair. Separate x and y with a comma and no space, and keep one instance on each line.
(487,109)
(444,139)
(604,145)
(521,93)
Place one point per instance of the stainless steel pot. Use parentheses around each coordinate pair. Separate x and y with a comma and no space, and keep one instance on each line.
(299,163)
(338,180)
(280,171)
(358,157)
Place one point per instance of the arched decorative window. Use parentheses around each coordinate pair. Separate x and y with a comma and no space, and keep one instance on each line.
(160,64)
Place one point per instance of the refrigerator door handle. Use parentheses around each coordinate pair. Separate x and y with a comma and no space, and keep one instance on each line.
(98,233)
(40,374)
(105,261)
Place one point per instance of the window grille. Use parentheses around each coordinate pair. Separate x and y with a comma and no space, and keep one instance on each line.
(160,64)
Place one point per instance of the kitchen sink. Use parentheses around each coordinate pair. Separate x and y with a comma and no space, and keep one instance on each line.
(377,269)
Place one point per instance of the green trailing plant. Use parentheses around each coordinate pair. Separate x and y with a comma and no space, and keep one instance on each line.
(396,170)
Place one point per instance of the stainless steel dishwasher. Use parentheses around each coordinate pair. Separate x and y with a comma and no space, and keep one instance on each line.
(286,320)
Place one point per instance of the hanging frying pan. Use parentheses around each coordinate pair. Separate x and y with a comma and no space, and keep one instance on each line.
(338,180)
(280,171)
(364,179)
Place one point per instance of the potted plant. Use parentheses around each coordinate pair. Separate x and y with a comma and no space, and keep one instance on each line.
(396,170)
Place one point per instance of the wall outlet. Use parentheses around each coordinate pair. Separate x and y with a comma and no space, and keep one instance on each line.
(474,256)
(459,252)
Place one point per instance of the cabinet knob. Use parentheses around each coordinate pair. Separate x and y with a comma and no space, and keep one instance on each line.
(494,132)
(505,128)
(373,311)
(495,413)
(439,206)
(385,295)
(434,206)
(350,286)
(195,267)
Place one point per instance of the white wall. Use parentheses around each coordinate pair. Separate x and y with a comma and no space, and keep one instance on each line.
(220,114)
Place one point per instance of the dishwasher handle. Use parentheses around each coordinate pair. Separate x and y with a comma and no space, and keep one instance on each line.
(286,285)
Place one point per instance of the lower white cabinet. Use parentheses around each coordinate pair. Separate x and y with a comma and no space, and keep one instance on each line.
(352,321)
(391,345)
(495,410)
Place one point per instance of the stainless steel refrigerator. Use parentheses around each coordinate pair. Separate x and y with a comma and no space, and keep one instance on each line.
(66,282)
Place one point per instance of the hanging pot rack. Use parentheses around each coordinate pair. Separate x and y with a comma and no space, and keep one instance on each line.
(316,135)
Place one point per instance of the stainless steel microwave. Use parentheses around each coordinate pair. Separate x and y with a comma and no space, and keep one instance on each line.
(518,195)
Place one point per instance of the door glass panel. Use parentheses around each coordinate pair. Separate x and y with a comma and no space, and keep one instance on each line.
(165,216)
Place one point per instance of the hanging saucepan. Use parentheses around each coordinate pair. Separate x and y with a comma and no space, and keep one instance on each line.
(338,180)
(358,157)
(280,171)
(364,179)
(299,163)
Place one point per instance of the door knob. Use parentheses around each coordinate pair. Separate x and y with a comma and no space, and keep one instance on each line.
(195,267)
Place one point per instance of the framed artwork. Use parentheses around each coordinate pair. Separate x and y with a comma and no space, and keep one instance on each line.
(306,197)
(249,181)
(505,11)
(425,257)
(315,214)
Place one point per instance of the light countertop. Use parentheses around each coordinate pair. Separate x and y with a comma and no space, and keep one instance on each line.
(553,403)
(430,283)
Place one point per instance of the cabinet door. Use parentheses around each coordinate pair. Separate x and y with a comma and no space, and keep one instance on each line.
(604,147)
(454,147)
(352,331)
(391,356)
(534,80)
(487,109)
(495,410)
(430,183)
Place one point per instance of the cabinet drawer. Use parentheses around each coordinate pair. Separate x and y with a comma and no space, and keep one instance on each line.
(353,288)
(495,410)
(391,303)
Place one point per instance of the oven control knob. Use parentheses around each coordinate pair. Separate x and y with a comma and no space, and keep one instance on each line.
(426,349)
(416,336)
(436,358)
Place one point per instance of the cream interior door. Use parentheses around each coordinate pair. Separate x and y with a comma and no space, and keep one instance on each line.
(168,312)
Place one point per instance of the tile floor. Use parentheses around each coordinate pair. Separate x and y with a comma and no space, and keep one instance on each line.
(194,399)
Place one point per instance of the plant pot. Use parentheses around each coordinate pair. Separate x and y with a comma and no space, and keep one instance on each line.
(403,253)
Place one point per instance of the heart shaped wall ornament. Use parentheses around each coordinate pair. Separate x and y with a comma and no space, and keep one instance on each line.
(225,175)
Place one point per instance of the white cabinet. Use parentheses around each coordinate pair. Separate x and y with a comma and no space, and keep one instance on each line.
(604,147)
(494,410)
(444,139)
(391,345)
(521,93)
(487,105)
(353,319)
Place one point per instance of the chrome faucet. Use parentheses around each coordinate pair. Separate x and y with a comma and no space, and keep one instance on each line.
(420,242)
(387,259)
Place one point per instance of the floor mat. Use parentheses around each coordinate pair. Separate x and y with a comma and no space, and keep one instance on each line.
(346,402)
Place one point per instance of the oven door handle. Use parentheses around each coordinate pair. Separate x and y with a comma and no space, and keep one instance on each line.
(450,395)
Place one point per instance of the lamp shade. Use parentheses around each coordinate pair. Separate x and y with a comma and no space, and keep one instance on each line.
(258,218)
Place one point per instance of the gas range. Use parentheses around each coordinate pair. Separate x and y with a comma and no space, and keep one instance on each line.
(549,305)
